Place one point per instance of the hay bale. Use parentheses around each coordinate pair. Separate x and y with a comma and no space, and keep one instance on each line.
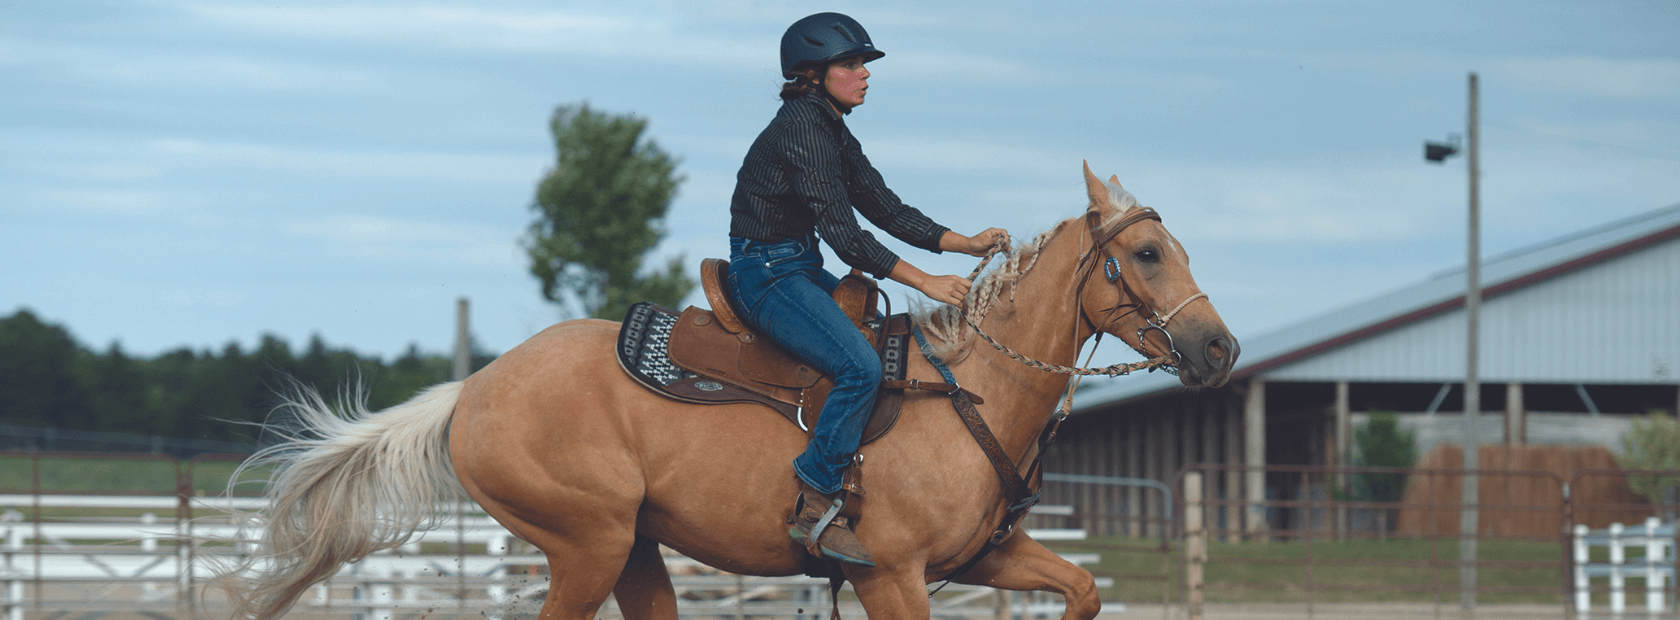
(1521,500)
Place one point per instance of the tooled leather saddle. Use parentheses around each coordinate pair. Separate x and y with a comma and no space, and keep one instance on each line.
(712,357)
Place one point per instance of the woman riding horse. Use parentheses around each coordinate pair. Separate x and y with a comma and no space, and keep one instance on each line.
(558,444)
(800,180)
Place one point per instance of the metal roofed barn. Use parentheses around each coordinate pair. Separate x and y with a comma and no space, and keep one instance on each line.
(1577,334)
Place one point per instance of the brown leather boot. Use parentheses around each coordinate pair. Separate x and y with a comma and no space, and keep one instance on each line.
(834,539)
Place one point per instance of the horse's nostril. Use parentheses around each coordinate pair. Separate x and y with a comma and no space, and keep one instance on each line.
(1217,349)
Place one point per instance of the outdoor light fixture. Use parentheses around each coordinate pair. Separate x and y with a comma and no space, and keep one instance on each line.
(1438,152)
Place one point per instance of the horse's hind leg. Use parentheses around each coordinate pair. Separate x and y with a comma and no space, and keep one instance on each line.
(582,569)
(644,590)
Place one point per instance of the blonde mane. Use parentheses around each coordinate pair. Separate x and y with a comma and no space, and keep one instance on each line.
(950,335)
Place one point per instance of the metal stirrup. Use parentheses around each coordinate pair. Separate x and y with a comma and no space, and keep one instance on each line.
(814,543)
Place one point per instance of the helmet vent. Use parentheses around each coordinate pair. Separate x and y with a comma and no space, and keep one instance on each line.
(813,42)
(843,33)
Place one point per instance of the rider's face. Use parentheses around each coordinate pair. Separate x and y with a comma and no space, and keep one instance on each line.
(847,81)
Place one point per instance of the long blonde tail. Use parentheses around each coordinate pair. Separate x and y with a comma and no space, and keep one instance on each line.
(341,488)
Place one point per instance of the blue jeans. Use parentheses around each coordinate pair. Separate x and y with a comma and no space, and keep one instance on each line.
(788,296)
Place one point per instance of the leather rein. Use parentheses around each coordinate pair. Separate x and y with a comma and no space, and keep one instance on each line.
(1021,492)
(1111,269)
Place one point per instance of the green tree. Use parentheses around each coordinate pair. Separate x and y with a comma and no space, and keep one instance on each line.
(39,383)
(48,379)
(1654,443)
(116,386)
(599,211)
(1380,442)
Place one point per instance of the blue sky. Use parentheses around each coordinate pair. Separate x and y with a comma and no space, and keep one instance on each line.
(179,172)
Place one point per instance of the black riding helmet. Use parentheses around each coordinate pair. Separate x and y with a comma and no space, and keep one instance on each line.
(824,38)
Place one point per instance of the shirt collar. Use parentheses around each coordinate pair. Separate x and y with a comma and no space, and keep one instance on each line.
(819,99)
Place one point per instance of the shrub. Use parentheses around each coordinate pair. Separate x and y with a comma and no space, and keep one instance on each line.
(1654,443)
(1380,442)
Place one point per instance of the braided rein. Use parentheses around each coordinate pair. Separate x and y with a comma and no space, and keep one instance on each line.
(1114,370)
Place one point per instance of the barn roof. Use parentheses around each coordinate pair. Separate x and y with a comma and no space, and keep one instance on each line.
(1417,316)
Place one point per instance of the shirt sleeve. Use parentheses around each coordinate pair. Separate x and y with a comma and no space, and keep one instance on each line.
(817,176)
(878,203)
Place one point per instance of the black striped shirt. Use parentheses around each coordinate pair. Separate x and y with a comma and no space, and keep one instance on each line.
(806,172)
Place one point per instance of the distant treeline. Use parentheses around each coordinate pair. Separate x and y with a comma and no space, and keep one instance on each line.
(48,379)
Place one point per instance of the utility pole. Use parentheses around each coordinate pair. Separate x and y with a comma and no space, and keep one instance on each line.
(1469,522)
(463,343)
(462,368)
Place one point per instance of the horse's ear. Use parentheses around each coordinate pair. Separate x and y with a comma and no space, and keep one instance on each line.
(1110,195)
(1095,189)
(1118,196)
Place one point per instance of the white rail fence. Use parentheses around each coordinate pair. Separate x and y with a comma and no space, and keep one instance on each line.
(136,563)
(1655,568)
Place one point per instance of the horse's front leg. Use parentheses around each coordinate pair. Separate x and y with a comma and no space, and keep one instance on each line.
(1024,564)
(644,590)
(899,592)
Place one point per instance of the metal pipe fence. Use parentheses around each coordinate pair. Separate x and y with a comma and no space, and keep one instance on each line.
(155,551)
(1310,542)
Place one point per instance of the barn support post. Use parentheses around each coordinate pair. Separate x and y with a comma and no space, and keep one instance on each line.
(1343,455)
(1195,543)
(1208,403)
(1254,455)
(1233,473)
(1167,430)
(1516,417)
(1134,469)
(1151,468)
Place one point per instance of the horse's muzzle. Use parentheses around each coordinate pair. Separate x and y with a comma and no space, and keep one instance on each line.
(1209,363)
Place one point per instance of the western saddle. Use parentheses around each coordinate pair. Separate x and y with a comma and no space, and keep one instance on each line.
(714,357)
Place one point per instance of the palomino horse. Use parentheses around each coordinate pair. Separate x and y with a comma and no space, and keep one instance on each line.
(556,443)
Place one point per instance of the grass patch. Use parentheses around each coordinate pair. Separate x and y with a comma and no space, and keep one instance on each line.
(117,474)
(1398,570)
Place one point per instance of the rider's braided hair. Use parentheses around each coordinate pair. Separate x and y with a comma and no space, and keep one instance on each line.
(808,80)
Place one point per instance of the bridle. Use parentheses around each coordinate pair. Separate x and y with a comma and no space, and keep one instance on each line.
(1111,270)
(1021,491)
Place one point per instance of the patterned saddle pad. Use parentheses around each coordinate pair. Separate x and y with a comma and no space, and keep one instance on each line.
(689,357)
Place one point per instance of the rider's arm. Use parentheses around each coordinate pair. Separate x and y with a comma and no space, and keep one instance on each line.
(977,245)
(883,208)
(817,180)
(950,289)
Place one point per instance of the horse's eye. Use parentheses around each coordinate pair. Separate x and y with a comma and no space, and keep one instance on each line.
(1147,256)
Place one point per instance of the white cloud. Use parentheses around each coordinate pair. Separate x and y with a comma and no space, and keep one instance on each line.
(199,298)
(161,70)
(387,165)
(394,21)
(107,200)
(387,238)
(507,30)
(1598,77)
(941,155)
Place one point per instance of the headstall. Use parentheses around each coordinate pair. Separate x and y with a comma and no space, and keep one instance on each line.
(1111,270)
